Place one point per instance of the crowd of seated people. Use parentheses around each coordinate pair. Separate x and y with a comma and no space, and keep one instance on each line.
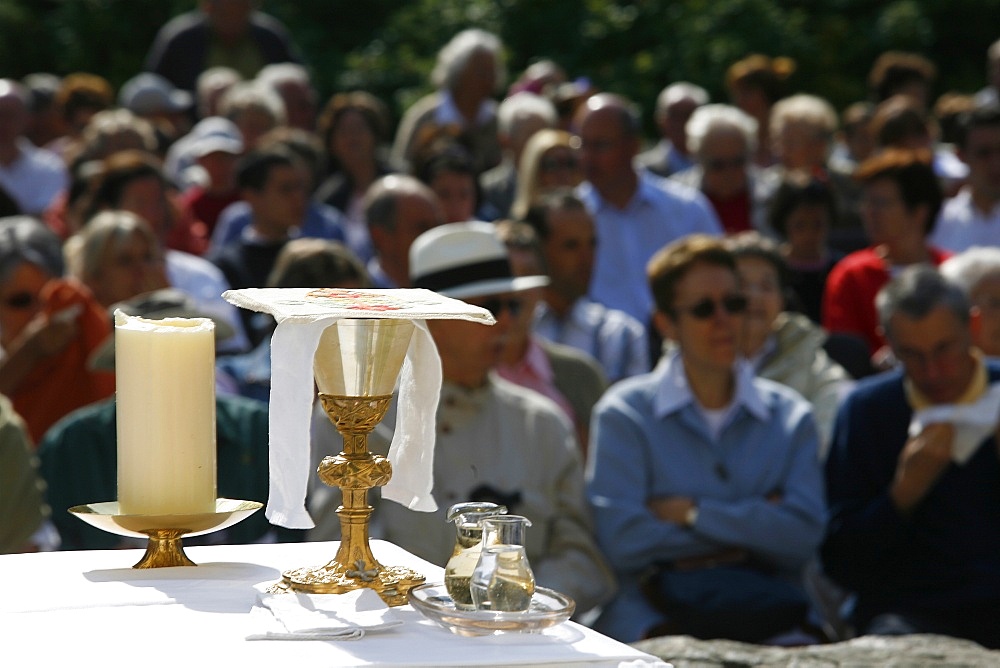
(716,315)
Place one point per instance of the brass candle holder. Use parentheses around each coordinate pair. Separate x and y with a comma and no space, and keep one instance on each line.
(164,547)
(356,366)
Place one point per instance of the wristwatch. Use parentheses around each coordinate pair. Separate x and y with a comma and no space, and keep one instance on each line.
(691,516)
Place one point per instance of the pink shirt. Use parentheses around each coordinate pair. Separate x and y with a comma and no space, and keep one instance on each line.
(534,372)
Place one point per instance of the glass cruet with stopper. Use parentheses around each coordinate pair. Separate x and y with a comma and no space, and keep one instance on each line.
(502,580)
(468,518)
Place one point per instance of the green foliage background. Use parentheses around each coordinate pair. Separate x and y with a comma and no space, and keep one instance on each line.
(633,47)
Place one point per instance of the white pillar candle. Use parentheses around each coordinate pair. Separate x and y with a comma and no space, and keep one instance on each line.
(165,375)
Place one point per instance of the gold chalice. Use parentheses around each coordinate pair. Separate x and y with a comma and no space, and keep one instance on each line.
(356,366)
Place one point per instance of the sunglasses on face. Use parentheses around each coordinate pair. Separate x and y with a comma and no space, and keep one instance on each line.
(705,309)
(20,301)
(497,306)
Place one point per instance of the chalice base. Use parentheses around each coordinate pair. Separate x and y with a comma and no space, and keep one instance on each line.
(392,584)
(165,549)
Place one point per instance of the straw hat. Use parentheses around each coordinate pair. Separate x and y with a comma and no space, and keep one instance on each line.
(462,260)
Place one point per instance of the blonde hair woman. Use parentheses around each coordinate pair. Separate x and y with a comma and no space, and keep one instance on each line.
(550,159)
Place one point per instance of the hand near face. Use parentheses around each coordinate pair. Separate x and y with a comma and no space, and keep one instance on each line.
(45,336)
(922,461)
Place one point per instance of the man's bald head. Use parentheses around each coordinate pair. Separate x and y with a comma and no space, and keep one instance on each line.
(613,107)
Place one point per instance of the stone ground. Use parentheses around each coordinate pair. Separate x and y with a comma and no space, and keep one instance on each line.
(914,651)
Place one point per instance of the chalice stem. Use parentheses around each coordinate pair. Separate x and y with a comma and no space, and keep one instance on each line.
(164,549)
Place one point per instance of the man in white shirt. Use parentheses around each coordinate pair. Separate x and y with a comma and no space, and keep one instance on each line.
(972,217)
(30,175)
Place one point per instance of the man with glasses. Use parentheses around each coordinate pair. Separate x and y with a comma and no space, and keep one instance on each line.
(722,139)
(913,475)
(635,213)
(495,441)
(704,480)
(972,217)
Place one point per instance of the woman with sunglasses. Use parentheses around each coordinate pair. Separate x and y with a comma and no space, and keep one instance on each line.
(702,474)
(48,328)
(781,345)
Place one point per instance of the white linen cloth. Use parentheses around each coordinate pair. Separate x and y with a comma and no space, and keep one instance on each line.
(86,592)
(296,616)
(302,315)
(973,422)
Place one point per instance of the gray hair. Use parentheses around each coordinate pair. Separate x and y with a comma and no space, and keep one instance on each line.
(917,291)
(26,239)
(675,92)
(252,96)
(714,117)
(275,74)
(103,132)
(455,55)
(521,106)
(211,80)
(970,267)
(87,250)
(803,108)
(381,201)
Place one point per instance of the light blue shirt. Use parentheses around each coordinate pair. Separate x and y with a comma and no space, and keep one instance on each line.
(612,337)
(660,212)
(650,439)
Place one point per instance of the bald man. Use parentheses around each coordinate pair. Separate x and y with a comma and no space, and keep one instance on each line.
(636,214)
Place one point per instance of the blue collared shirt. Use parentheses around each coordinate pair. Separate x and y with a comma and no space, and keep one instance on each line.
(650,439)
(660,212)
(612,337)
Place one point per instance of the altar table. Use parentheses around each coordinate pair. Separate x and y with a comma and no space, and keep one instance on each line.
(91,608)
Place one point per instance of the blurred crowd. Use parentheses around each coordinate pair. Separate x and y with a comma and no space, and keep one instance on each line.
(723,354)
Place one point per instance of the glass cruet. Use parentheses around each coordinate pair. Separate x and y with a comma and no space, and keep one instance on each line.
(468,518)
(502,580)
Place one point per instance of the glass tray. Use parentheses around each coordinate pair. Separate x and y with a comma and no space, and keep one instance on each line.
(548,608)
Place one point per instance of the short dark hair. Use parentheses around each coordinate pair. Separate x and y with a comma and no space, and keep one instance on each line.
(254,168)
(753,244)
(558,199)
(979,117)
(26,239)
(913,174)
(672,262)
(799,189)
(895,69)
(117,172)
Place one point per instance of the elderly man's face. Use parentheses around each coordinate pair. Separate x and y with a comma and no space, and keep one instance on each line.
(724,156)
(985,297)
(935,353)
(801,145)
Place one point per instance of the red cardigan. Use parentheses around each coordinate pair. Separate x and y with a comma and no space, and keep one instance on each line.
(849,296)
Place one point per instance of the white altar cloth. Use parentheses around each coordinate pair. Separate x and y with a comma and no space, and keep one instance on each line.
(91,608)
